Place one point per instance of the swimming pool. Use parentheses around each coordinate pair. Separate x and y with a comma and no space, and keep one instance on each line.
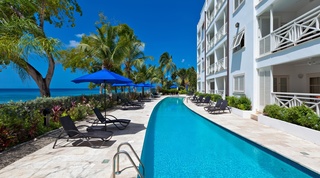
(180,143)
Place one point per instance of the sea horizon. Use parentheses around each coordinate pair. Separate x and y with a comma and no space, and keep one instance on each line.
(26,94)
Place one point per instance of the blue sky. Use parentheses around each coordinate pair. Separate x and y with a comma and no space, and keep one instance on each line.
(163,25)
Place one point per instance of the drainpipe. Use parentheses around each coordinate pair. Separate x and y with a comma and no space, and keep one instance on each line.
(228,32)
(205,51)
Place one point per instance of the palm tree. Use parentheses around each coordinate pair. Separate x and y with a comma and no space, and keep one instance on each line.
(107,48)
(182,73)
(155,74)
(192,78)
(135,59)
(167,65)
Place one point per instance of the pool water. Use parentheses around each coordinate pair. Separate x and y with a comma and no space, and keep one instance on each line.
(181,143)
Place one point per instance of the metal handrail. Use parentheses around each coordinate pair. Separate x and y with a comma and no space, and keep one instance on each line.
(116,160)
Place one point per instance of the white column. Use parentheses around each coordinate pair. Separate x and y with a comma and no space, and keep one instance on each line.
(271,28)
(224,88)
(271,18)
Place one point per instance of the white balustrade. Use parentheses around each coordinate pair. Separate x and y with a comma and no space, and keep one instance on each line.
(301,29)
(221,32)
(288,100)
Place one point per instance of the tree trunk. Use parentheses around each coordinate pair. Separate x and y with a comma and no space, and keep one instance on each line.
(43,83)
(44,89)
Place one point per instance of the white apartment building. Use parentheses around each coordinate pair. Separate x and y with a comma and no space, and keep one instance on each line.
(268,50)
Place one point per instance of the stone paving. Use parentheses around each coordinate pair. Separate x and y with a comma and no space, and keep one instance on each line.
(67,160)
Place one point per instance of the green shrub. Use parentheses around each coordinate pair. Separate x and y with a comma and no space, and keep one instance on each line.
(215,97)
(274,111)
(299,115)
(183,92)
(78,112)
(242,102)
(232,101)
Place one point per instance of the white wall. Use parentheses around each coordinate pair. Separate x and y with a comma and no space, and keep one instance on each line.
(243,61)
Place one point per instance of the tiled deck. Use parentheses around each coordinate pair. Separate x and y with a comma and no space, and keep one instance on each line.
(82,161)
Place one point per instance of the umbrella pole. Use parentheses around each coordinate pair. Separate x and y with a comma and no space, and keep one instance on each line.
(105,101)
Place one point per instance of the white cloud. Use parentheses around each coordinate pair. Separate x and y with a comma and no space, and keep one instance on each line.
(142,47)
(182,60)
(80,35)
(73,43)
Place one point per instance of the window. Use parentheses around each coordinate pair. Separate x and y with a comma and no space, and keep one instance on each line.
(237,3)
(238,41)
(280,83)
(314,84)
(239,84)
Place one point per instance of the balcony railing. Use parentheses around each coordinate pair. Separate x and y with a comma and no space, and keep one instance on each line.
(210,44)
(288,100)
(198,77)
(210,19)
(221,64)
(219,92)
(217,66)
(303,28)
(218,5)
(221,32)
(210,69)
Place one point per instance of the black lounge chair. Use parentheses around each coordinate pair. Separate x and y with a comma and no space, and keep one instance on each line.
(207,100)
(155,95)
(224,106)
(216,105)
(71,131)
(193,98)
(110,119)
(198,100)
(127,104)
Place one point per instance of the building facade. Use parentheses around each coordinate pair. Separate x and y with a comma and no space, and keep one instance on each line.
(267,50)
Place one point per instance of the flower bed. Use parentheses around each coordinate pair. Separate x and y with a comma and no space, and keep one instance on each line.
(293,129)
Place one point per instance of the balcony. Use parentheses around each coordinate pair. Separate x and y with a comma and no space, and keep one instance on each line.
(299,30)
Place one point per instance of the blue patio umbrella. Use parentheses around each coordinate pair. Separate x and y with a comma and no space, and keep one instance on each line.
(103,76)
(173,86)
(143,85)
(123,85)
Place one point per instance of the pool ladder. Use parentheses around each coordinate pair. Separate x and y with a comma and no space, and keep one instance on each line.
(116,161)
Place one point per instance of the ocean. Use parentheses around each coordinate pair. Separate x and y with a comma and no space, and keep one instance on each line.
(25,94)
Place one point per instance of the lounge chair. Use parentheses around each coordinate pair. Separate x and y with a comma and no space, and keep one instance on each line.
(193,98)
(198,100)
(155,95)
(207,100)
(109,119)
(71,131)
(224,106)
(126,103)
(216,105)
